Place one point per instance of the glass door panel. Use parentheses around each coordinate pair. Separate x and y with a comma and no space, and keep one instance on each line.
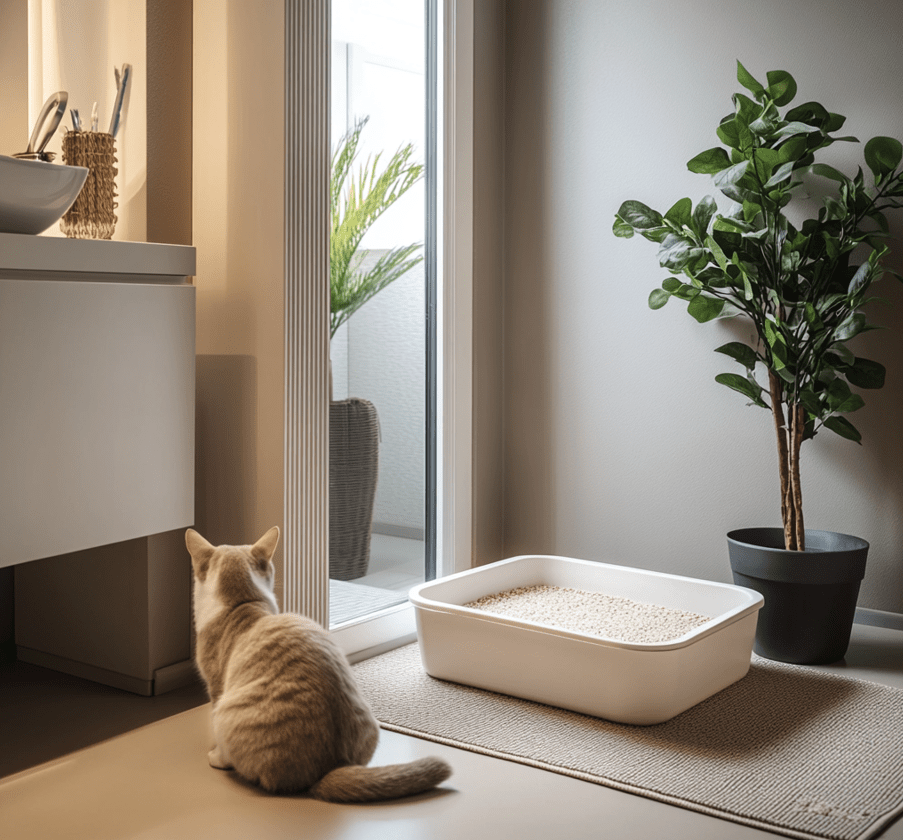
(381,378)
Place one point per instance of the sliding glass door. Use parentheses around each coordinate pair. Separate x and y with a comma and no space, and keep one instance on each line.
(384,315)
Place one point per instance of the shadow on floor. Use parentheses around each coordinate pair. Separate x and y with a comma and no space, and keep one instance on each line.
(45,714)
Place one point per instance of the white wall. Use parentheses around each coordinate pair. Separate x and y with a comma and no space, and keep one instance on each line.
(238,230)
(619,444)
(387,365)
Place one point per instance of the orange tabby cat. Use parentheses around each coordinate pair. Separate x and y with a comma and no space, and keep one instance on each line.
(286,712)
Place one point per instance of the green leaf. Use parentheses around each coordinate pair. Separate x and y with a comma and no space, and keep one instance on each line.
(860,278)
(719,255)
(781,86)
(765,161)
(812,317)
(704,308)
(639,216)
(829,172)
(844,355)
(702,215)
(671,284)
(358,198)
(727,179)
(729,132)
(777,344)
(710,161)
(838,393)
(740,352)
(810,402)
(680,213)
(762,126)
(685,291)
(793,128)
(811,113)
(852,403)
(835,210)
(621,228)
(740,383)
(792,149)
(747,286)
(656,234)
(883,155)
(831,246)
(834,123)
(852,325)
(658,298)
(676,252)
(745,79)
(864,373)
(782,173)
(785,374)
(747,110)
(844,428)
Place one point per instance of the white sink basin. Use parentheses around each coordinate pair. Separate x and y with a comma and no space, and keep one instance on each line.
(34,195)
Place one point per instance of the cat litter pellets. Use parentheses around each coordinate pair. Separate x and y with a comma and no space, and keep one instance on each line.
(591,613)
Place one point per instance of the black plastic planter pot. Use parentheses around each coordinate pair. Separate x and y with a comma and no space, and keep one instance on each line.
(810,596)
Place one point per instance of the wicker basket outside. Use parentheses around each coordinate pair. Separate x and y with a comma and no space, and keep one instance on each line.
(92,216)
(353,469)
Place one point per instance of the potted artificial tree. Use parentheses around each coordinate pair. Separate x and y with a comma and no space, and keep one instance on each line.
(803,288)
(358,199)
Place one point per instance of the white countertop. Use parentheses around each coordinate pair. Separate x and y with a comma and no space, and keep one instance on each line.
(54,254)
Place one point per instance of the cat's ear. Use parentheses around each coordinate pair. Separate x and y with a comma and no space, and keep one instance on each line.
(265,547)
(199,549)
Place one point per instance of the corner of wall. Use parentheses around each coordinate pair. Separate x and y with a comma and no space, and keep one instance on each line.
(488,285)
(169,121)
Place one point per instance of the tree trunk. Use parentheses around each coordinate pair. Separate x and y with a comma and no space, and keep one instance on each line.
(789,440)
(799,531)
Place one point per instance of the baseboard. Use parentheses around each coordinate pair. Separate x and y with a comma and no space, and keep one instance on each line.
(385,647)
(87,672)
(879,618)
(175,676)
(406,532)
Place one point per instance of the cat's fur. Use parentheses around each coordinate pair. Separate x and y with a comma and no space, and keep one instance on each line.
(286,712)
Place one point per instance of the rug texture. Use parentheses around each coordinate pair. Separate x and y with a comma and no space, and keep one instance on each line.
(788,749)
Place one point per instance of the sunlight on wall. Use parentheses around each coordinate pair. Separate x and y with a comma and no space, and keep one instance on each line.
(74,46)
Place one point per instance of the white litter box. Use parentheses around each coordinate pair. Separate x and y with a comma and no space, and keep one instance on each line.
(628,682)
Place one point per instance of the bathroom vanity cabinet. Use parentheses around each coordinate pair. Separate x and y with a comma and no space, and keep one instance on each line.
(97,395)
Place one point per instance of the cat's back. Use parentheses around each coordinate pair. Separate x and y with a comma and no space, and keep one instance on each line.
(290,710)
(289,658)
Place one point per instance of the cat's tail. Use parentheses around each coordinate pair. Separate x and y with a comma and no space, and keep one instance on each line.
(354,783)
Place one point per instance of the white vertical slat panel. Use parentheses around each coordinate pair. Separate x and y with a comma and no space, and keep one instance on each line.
(307,166)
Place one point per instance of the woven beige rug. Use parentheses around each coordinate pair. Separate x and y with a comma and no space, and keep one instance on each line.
(788,749)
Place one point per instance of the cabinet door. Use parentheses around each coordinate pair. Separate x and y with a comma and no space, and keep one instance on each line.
(96,414)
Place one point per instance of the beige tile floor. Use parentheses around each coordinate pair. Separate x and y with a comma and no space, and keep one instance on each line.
(396,565)
(153,783)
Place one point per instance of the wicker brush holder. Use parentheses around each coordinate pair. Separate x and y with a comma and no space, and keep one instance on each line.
(92,216)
